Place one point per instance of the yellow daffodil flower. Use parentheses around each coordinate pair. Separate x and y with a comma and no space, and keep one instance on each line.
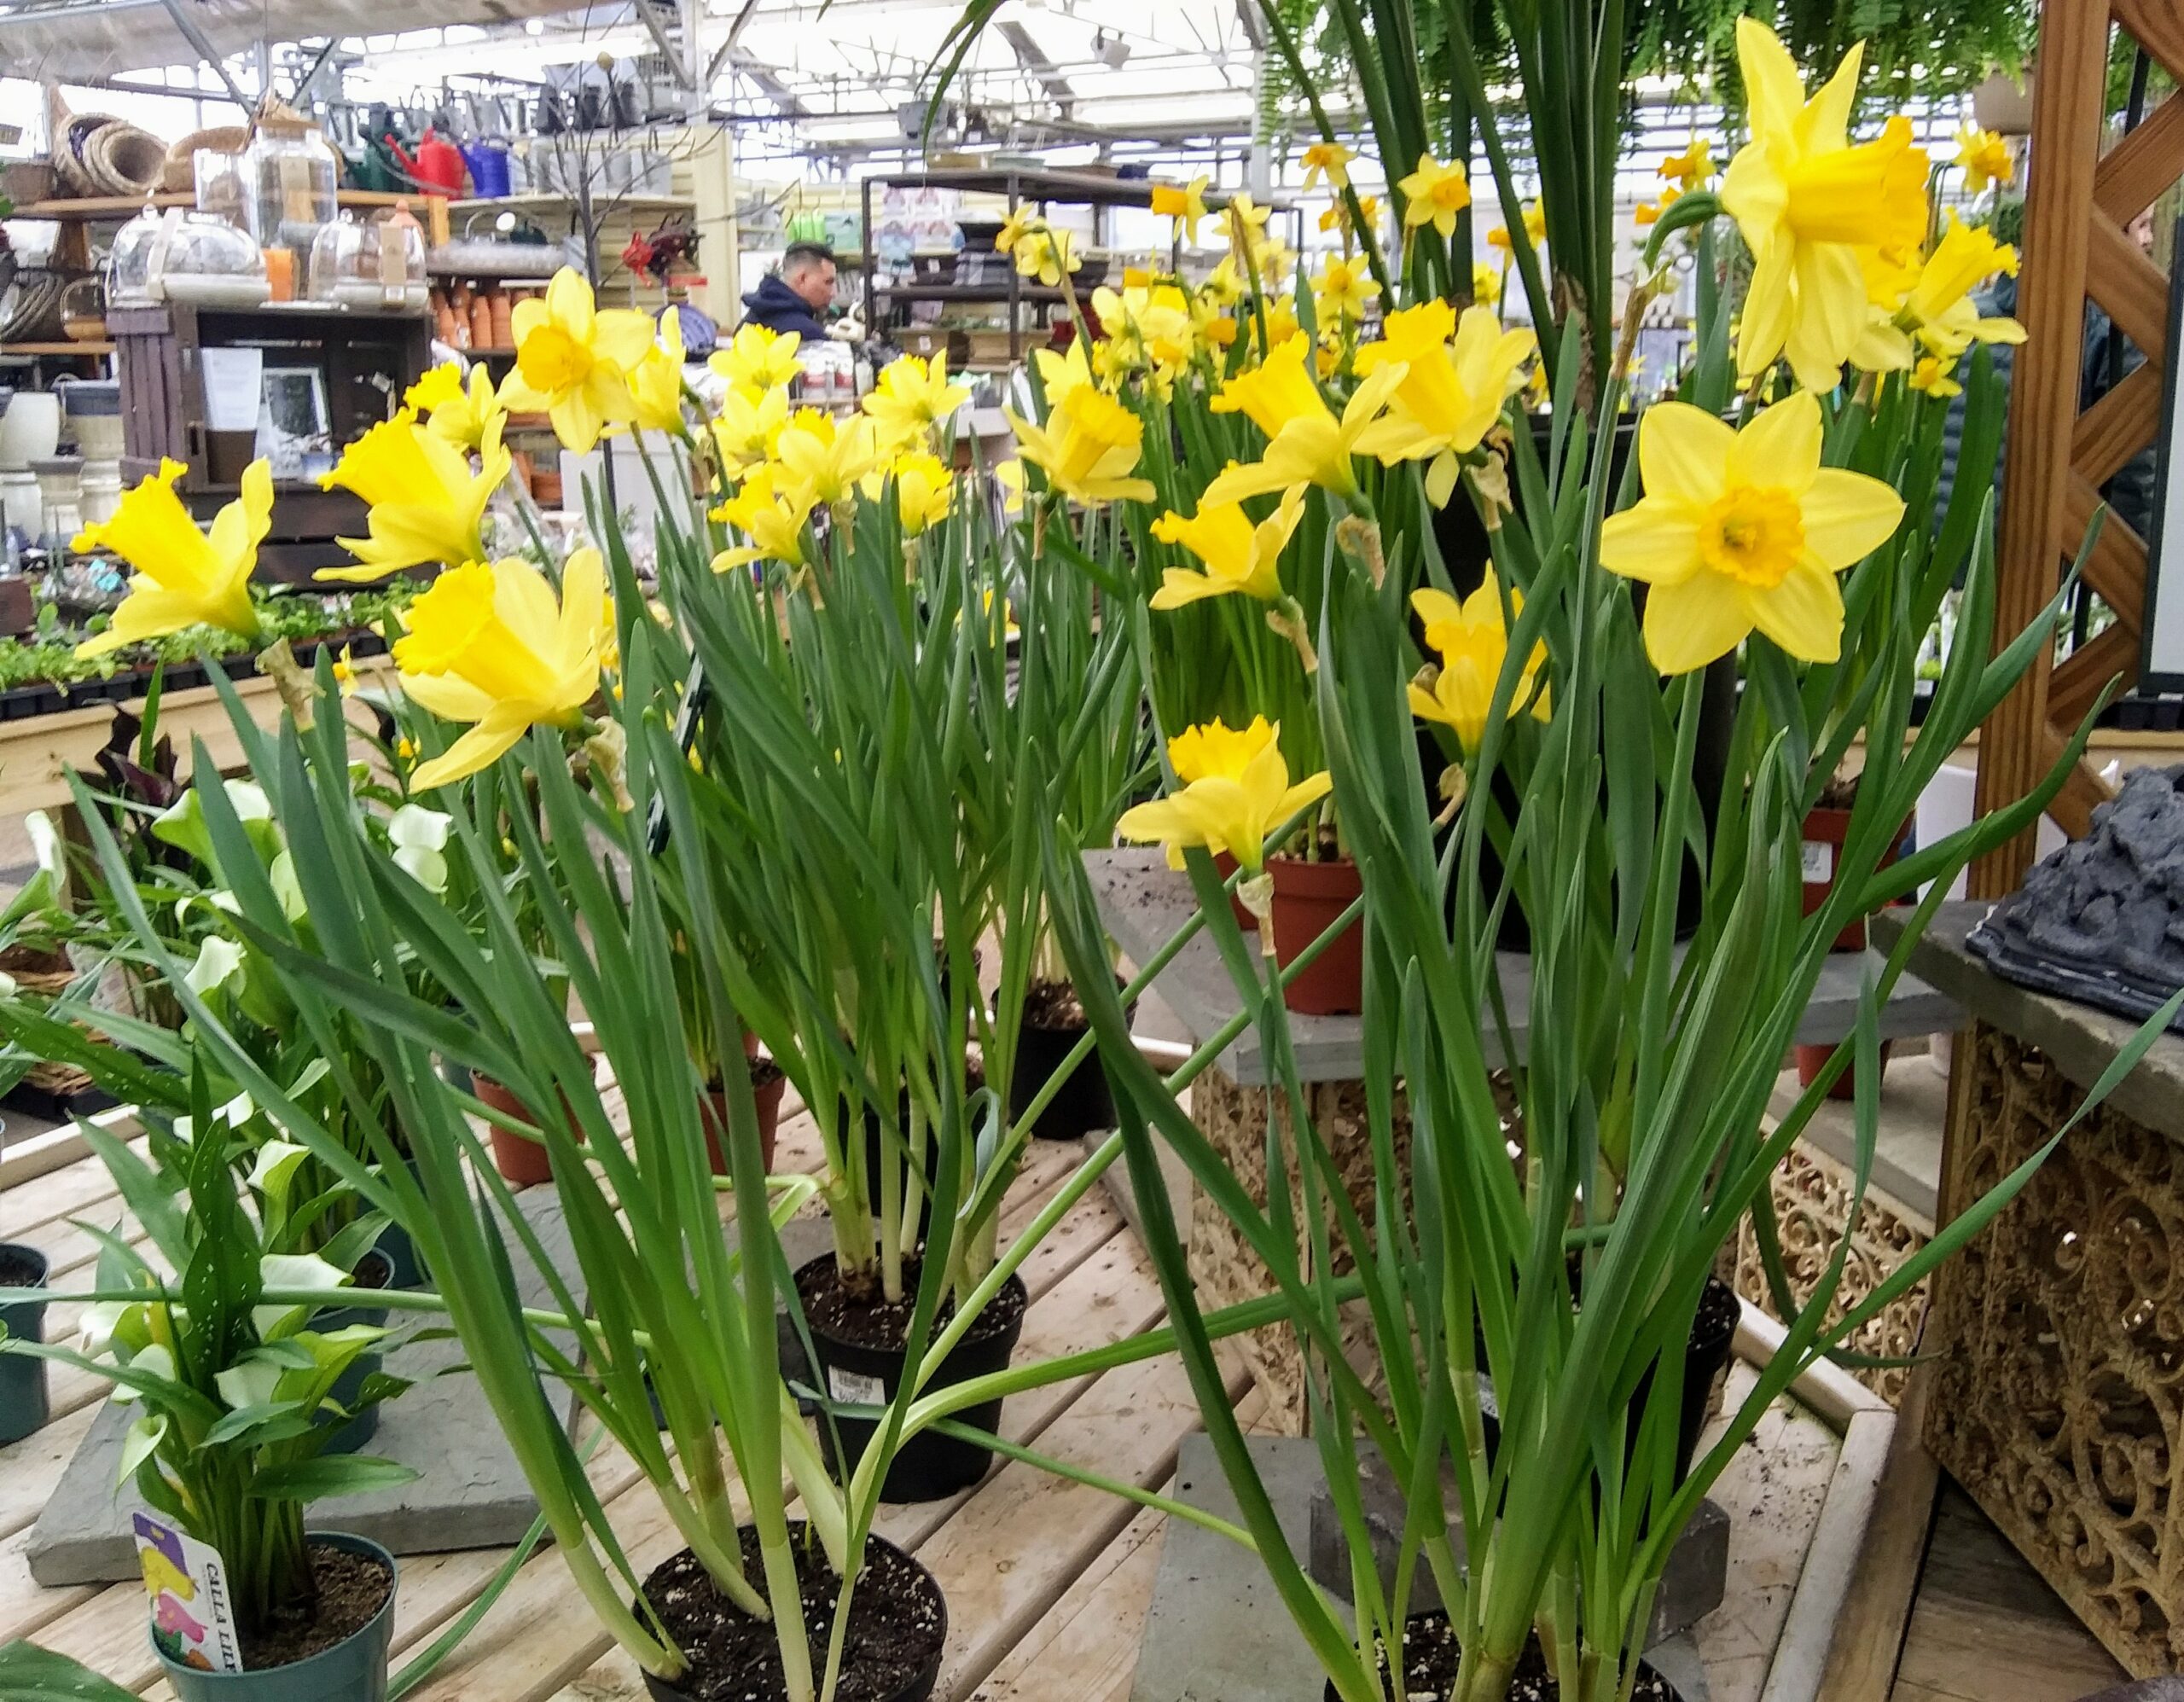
(1046,254)
(1472,642)
(455,410)
(1061,371)
(924,491)
(772,517)
(1931,375)
(422,502)
(1088,448)
(823,456)
(182,577)
(1224,284)
(1306,445)
(1020,220)
(1744,530)
(1185,204)
(1451,393)
(1485,283)
(1329,160)
(405,749)
(759,358)
(1239,557)
(1148,328)
(1807,201)
(910,396)
(1009,476)
(1690,169)
(1986,157)
(1535,233)
(1934,303)
(1434,194)
(746,429)
(490,646)
(1344,288)
(656,381)
(1244,222)
(344,671)
(1649,212)
(572,360)
(1236,791)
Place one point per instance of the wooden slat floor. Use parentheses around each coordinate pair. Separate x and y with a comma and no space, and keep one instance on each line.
(1048,1583)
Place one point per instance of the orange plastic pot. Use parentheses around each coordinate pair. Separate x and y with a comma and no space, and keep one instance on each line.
(519,1161)
(1308,898)
(1825,831)
(766,1098)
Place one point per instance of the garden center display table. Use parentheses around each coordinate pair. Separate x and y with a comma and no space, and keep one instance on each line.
(1142,902)
(2058,1331)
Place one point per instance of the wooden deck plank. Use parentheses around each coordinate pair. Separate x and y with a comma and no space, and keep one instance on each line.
(1086,1646)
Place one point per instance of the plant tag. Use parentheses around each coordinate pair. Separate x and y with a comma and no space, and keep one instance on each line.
(193,1617)
(855,1386)
(1819,860)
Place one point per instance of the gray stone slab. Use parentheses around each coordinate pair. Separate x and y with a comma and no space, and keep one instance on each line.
(470,1492)
(1692,1587)
(1217,1630)
(1142,902)
(2081,1040)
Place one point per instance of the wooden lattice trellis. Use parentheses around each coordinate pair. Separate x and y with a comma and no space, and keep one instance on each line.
(2078,202)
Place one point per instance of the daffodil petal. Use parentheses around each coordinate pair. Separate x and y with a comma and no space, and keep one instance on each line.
(1683,452)
(1656,540)
(1848,516)
(1693,623)
(1803,614)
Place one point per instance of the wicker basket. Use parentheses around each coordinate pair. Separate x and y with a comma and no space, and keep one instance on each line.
(178,176)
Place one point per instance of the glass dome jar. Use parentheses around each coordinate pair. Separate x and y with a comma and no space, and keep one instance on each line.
(223,186)
(293,170)
(380,265)
(207,262)
(130,270)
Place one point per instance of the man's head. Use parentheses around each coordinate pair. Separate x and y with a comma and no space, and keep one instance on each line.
(808,268)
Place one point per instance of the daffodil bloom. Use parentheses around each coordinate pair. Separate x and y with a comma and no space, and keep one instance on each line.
(1148,328)
(454,410)
(772,518)
(1931,375)
(823,456)
(656,381)
(1434,194)
(1450,393)
(182,577)
(1535,233)
(572,360)
(1186,204)
(1649,212)
(1224,285)
(491,646)
(1046,254)
(344,671)
(1244,220)
(1009,476)
(422,502)
(1807,201)
(924,491)
(1020,220)
(1485,283)
(1330,160)
(1307,444)
(1239,557)
(1471,642)
(1236,791)
(746,429)
(1344,288)
(1986,157)
(1935,306)
(1744,530)
(910,396)
(759,358)
(1088,448)
(1690,169)
(1061,371)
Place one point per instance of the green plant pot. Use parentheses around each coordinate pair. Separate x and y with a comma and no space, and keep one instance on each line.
(352,1671)
(23,1406)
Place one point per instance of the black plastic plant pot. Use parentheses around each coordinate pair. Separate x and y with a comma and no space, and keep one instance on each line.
(395,1242)
(1431,1654)
(375,1270)
(891,1650)
(1082,1104)
(860,1362)
(353,1671)
(23,1407)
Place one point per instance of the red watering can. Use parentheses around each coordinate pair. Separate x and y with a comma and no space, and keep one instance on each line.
(437,166)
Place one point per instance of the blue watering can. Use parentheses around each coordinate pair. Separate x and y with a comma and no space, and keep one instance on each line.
(488,161)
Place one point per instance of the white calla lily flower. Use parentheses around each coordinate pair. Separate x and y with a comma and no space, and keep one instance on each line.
(100,1322)
(219,959)
(294,1270)
(155,1360)
(250,1382)
(275,1169)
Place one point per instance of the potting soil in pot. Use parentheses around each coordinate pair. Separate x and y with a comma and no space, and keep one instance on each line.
(898,1624)
(1054,1022)
(351,1588)
(1432,1654)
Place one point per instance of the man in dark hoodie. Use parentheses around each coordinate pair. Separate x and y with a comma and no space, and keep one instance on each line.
(793,298)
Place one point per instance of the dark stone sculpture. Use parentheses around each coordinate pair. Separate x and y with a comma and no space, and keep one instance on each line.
(2102,920)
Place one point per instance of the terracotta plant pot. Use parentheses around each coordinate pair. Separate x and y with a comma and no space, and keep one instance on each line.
(353,1671)
(1812,1060)
(1825,830)
(768,1084)
(1308,898)
(519,1161)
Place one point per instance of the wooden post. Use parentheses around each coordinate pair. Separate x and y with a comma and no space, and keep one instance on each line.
(2077,205)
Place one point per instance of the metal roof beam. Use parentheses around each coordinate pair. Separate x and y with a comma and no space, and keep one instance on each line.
(1034,60)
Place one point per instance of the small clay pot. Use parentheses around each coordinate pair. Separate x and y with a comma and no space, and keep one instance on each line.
(1812,1060)
(1825,830)
(1308,898)
(521,1162)
(768,1084)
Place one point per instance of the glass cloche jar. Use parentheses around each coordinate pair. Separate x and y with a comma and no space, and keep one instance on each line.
(293,169)
(130,271)
(203,260)
(379,265)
